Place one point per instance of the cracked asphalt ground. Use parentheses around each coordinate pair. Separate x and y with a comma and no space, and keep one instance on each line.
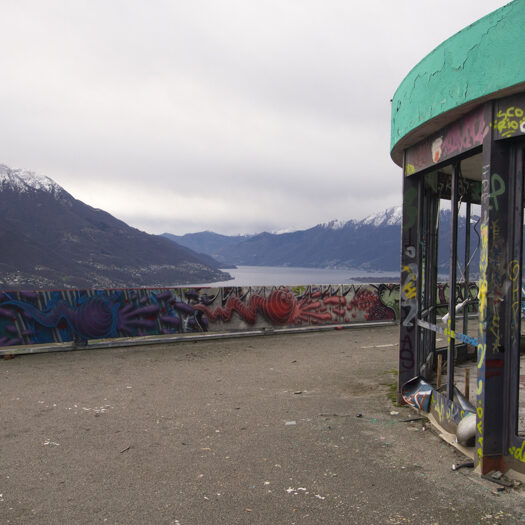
(281,429)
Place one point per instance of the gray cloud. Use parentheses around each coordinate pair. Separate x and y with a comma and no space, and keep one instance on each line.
(233,116)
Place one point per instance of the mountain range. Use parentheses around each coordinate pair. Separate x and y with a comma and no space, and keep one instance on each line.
(371,244)
(50,239)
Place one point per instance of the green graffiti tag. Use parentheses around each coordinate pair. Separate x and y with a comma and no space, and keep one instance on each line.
(518,453)
(497,185)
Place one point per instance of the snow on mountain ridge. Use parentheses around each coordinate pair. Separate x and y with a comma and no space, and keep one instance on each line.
(24,180)
(333,225)
(390,217)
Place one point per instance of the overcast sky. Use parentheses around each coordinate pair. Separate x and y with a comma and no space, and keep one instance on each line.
(235,116)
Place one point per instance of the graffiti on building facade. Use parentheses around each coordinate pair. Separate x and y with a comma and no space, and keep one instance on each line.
(457,138)
(509,117)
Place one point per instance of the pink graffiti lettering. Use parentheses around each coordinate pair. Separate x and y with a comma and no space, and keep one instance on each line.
(467,134)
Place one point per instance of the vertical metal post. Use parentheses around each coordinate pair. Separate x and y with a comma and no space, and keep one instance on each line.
(467,266)
(422,259)
(515,273)
(495,299)
(429,273)
(409,331)
(433,270)
(454,199)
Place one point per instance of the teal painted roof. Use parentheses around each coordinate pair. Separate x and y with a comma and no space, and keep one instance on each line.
(482,59)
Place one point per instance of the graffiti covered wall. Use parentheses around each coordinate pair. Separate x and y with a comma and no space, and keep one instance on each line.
(57,316)
(44,317)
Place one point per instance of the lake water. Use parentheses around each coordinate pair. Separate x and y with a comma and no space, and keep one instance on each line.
(289,276)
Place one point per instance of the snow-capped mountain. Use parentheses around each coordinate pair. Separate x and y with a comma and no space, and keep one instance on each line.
(50,239)
(372,243)
(24,181)
(333,225)
(389,217)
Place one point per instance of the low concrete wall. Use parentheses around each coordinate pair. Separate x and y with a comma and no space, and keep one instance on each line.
(46,317)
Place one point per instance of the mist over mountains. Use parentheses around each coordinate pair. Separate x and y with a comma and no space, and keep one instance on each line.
(51,240)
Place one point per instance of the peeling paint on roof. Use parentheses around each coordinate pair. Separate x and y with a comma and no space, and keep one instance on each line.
(484,58)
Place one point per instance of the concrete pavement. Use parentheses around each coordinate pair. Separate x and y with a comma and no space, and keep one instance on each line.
(281,429)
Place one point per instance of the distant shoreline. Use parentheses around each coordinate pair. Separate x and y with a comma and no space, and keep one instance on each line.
(299,276)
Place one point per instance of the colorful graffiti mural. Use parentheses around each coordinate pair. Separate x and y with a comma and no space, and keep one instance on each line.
(28,318)
(43,317)
(417,393)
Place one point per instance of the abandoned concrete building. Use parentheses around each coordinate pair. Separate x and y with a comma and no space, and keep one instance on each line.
(458,132)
